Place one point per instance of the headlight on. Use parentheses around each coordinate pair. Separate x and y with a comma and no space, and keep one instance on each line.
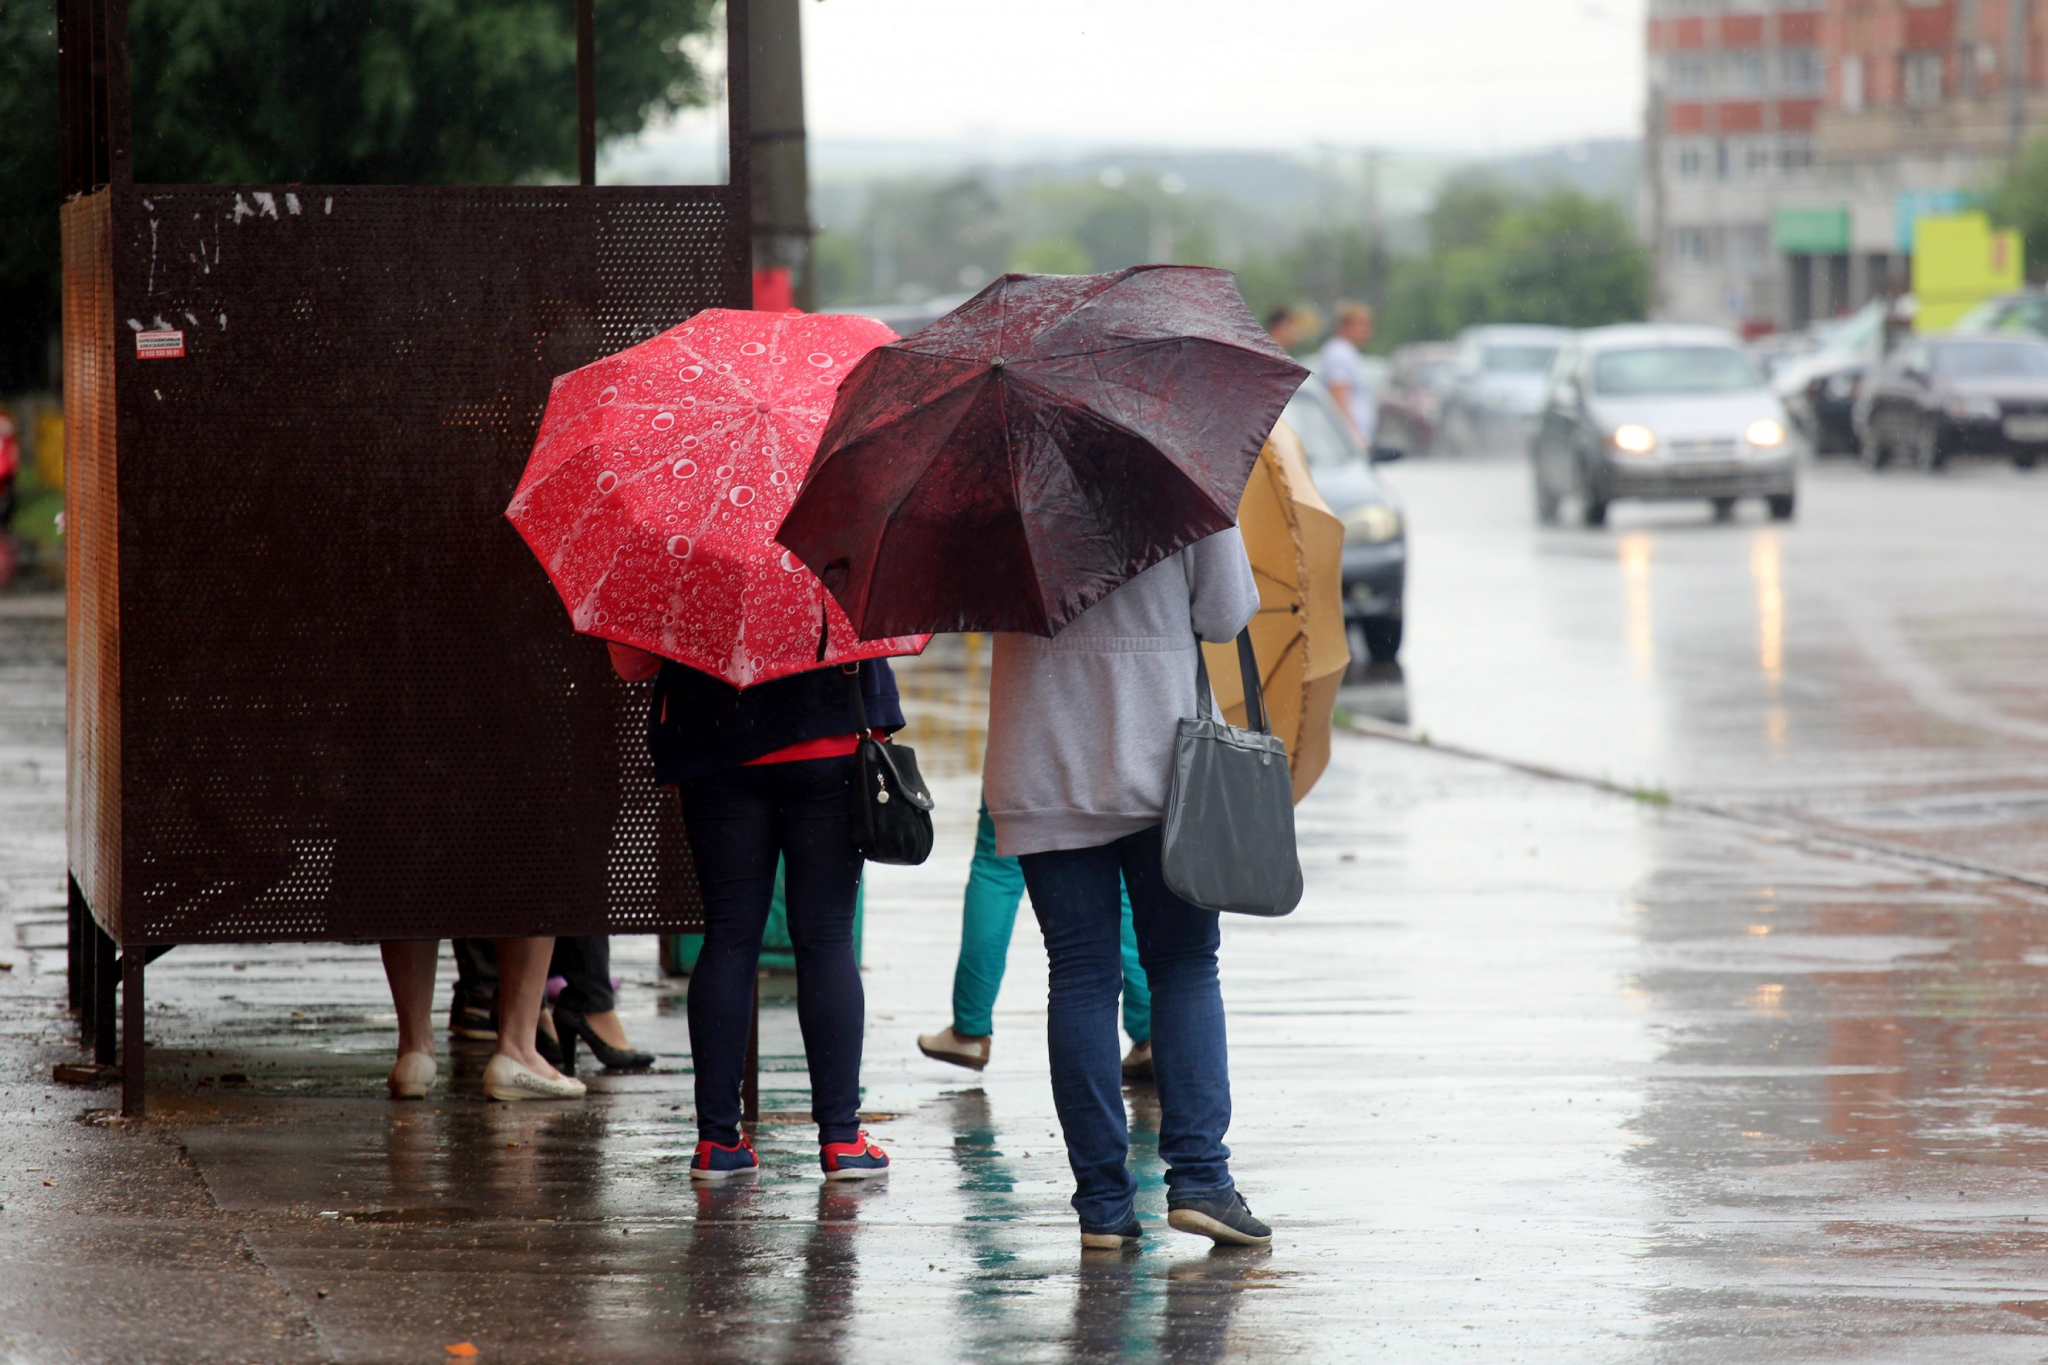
(1973,409)
(1634,438)
(1765,432)
(1374,523)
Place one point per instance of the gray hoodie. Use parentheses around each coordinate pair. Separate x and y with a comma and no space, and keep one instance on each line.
(1081,726)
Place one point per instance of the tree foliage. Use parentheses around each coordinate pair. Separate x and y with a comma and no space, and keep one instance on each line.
(2019,199)
(333,91)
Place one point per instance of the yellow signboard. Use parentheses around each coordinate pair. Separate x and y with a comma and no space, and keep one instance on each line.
(1958,262)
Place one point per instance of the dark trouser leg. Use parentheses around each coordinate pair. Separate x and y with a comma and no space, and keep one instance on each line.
(585,962)
(1177,943)
(731,820)
(476,972)
(822,875)
(1074,892)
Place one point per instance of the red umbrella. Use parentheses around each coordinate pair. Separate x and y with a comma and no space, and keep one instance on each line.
(660,474)
(1016,461)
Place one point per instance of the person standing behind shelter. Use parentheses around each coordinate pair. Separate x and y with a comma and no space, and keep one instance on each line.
(1283,324)
(1080,747)
(1343,371)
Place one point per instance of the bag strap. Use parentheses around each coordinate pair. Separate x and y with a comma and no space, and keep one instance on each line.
(1248,669)
(860,706)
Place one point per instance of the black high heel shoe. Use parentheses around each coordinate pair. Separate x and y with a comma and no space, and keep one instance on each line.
(571,1026)
(562,1059)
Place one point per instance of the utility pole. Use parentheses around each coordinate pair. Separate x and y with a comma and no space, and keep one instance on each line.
(2017,22)
(782,195)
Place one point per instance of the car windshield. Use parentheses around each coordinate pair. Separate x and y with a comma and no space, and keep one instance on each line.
(1323,437)
(1858,333)
(1657,370)
(2022,315)
(1990,360)
(1516,359)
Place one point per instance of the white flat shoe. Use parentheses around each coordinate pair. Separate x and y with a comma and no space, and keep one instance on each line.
(411,1076)
(948,1046)
(505,1079)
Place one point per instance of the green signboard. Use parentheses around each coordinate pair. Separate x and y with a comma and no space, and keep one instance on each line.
(1810,231)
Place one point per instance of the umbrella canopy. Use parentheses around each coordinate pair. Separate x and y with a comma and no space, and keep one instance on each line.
(1015,462)
(1296,546)
(660,475)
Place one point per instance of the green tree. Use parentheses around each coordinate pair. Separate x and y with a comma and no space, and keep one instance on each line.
(1469,206)
(335,91)
(1571,261)
(2019,199)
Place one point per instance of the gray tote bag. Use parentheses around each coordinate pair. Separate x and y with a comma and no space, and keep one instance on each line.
(1230,805)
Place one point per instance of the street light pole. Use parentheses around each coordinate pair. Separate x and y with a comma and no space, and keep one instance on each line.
(782,200)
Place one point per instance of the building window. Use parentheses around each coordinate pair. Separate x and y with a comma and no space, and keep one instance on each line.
(1795,154)
(1720,161)
(1852,84)
(1803,71)
(1921,78)
(1751,244)
(1756,157)
(1691,161)
(1689,75)
(1689,245)
(1742,73)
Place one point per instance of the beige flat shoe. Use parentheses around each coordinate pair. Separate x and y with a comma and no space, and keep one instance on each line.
(411,1076)
(960,1050)
(505,1079)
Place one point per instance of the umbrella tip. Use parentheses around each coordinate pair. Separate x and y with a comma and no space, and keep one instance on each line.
(997,363)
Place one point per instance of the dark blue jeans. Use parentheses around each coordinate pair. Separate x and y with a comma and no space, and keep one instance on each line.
(1075,894)
(739,820)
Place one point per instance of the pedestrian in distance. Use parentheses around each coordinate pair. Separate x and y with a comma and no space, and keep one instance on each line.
(988,914)
(765,772)
(1283,324)
(1081,740)
(1343,370)
(516,1070)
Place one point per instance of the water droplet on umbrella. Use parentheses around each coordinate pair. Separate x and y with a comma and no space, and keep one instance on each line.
(607,481)
(779,360)
(753,348)
(790,563)
(683,469)
(609,392)
(679,546)
(664,420)
(819,358)
(690,374)
(741,496)
(725,368)
(725,471)
(760,407)
(778,478)
(601,618)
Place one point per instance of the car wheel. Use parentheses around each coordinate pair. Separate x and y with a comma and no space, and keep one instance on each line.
(1382,639)
(1782,506)
(1874,453)
(2024,461)
(1724,509)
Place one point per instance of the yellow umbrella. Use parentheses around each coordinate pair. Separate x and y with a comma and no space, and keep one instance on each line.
(1296,545)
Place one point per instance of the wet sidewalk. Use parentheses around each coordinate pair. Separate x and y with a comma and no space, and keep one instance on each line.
(1537,1073)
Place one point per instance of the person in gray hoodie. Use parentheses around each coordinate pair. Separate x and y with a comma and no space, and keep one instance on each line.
(1080,750)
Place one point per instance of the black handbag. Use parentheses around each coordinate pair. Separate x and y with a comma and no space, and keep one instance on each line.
(892,807)
(1229,836)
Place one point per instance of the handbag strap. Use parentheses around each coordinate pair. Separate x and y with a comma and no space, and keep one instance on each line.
(860,705)
(1248,669)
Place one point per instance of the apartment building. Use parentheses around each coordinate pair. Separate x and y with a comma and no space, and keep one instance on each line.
(1790,144)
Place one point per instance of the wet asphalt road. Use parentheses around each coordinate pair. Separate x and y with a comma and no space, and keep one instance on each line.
(1538,1072)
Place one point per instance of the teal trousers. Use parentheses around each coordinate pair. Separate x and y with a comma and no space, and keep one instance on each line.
(988,912)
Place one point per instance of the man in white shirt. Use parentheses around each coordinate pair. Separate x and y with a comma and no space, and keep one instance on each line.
(1343,373)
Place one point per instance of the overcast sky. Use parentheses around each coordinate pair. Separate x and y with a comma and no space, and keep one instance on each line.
(1467,74)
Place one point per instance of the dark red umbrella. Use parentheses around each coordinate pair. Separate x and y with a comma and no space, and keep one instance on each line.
(1016,461)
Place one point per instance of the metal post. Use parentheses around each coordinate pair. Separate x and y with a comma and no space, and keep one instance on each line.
(88,987)
(586,92)
(105,972)
(739,149)
(775,99)
(75,918)
(750,1081)
(133,1072)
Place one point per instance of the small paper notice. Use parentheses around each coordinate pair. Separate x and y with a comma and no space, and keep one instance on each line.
(159,345)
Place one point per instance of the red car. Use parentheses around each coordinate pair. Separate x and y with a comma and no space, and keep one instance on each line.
(1421,374)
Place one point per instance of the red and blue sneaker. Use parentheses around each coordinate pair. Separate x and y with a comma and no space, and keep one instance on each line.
(714,1162)
(856,1160)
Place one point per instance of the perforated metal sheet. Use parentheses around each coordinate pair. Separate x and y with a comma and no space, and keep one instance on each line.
(349,705)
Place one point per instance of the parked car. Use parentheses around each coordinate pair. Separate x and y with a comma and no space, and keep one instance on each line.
(1493,403)
(1819,389)
(1412,401)
(2024,312)
(1940,396)
(1660,412)
(1375,529)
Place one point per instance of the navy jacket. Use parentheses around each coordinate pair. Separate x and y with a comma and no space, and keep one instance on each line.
(698,724)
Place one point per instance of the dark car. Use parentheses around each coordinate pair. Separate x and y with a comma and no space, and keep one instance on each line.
(1819,389)
(1419,376)
(2024,312)
(1660,412)
(1375,531)
(1935,397)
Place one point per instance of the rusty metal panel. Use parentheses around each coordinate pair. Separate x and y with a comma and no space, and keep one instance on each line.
(349,704)
(92,557)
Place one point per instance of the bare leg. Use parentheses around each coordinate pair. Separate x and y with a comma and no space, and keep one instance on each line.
(522,987)
(608,1027)
(409,967)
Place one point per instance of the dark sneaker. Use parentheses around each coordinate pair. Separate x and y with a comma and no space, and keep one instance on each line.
(467,1019)
(714,1162)
(1112,1239)
(1221,1217)
(856,1160)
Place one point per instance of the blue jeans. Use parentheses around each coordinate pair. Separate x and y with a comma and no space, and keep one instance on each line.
(1074,891)
(988,913)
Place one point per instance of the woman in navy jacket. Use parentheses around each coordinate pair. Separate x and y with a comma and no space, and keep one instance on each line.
(766,773)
